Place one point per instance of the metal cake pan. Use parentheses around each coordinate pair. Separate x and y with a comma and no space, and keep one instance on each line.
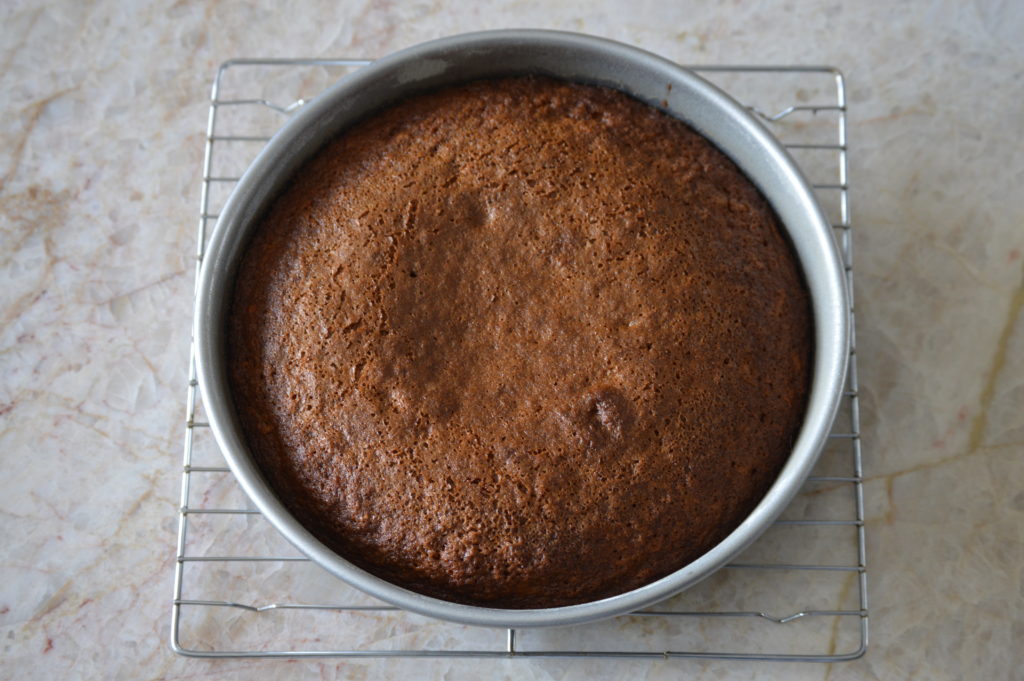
(568,56)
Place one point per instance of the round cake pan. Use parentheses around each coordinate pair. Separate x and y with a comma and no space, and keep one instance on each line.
(567,56)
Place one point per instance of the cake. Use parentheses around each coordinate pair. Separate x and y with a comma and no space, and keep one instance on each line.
(520,343)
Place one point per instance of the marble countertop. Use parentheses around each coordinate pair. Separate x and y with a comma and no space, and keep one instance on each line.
(101,143)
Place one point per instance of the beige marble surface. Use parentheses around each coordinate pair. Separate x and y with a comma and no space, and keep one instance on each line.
(101,142)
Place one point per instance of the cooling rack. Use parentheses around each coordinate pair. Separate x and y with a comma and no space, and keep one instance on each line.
(798,594)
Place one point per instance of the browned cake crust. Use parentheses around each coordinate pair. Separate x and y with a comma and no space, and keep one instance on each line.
(520,343)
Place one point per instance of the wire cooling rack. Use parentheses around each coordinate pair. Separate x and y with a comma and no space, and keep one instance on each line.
(799,593)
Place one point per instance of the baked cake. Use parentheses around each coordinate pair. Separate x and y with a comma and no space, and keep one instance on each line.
(520,343)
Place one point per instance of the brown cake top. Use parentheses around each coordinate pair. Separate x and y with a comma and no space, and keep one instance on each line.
(520,343)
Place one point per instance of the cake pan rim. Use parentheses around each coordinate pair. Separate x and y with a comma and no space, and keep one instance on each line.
(570,56)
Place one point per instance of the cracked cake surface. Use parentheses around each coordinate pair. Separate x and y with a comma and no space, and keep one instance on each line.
(520,343)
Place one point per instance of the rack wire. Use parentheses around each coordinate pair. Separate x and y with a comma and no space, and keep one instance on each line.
(798,594)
